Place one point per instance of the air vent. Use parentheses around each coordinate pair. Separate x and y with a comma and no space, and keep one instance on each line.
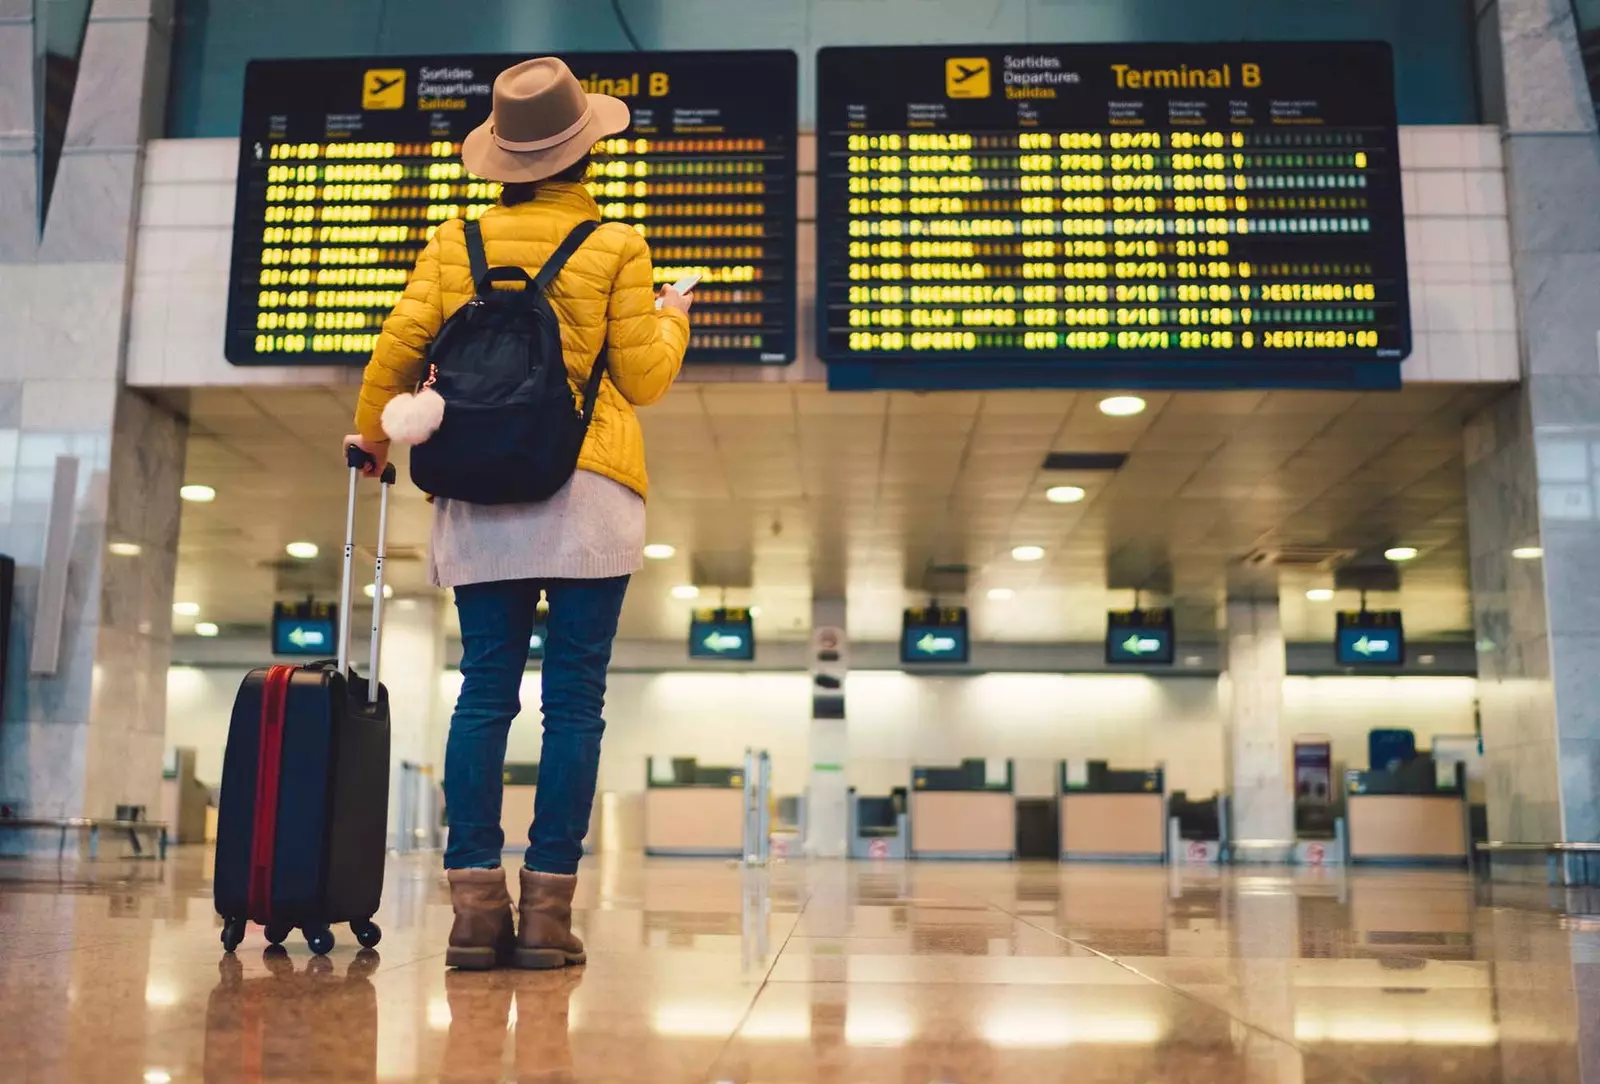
(391,554)
(944,579)
(1319,558)
(286,565)
(1085,461)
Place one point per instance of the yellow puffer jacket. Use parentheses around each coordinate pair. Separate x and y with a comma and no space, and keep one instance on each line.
(604,294)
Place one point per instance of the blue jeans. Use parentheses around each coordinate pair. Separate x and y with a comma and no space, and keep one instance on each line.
(497,620)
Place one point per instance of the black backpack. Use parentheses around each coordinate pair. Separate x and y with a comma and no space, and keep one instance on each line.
(511,433)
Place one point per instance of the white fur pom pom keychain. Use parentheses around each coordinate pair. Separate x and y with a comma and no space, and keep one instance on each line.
(412,419)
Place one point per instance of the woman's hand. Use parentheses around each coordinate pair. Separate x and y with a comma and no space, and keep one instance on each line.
(672,299)
(377,450)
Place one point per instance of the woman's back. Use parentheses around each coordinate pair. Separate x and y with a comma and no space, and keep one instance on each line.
(604,298)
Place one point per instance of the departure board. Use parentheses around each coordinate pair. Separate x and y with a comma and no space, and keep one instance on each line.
(1181,215)
(346,167)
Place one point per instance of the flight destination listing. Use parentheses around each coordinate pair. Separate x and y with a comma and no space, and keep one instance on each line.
(348,166)
(1176,202)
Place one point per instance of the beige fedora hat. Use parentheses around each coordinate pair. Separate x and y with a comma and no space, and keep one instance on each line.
(543,122)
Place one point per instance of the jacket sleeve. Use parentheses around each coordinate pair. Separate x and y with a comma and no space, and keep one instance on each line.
(645,345)
(396,364)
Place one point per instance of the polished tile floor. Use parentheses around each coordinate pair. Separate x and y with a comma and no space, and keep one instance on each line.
(913,974)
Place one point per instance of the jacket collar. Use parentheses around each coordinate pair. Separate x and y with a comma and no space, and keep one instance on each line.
(566,195)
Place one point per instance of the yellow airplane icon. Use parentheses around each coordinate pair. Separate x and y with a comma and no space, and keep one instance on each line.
(384,88)
(967,77)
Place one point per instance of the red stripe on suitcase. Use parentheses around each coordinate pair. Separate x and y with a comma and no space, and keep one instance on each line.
(264,839)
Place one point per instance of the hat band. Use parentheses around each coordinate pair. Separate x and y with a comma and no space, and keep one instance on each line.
(549,141)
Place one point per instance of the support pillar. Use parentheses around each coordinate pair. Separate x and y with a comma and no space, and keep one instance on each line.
(1533,457)
(86,734)
(827,793)
(1262,798)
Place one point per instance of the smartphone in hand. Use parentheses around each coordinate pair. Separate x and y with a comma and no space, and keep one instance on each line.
(683,286)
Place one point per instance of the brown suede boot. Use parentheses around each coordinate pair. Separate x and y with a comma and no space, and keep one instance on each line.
(544,936)
(483,934)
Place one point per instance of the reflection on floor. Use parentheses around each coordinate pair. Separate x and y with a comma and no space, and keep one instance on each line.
(700,971)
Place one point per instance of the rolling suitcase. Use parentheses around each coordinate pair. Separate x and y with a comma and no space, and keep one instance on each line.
(302,829)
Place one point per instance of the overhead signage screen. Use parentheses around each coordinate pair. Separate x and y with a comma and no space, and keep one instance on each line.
(727,634)
(1155,215)
(1139,638)
(305,628)
(935,635)
(346,167)
(1370,638)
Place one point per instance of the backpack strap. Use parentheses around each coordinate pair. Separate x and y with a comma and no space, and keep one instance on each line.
(591,389)
(541,282)
(558,259)
(475,254)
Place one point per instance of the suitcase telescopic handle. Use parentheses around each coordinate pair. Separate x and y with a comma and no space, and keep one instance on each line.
(358,461)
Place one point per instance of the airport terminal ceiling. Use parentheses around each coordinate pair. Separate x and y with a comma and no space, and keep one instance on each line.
(773,491)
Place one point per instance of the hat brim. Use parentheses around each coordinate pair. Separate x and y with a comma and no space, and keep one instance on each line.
(485,158)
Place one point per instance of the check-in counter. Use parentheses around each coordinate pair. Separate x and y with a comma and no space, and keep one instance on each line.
(1112,815)
(879,826)
(184,799)
(1197,828)
(964,812)
(1414,814)
(693,810)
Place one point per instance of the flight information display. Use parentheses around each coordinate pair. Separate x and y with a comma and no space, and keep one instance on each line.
(347,167)
(1228,212)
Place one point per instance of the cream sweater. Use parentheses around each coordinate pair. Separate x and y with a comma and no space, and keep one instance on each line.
(593,529)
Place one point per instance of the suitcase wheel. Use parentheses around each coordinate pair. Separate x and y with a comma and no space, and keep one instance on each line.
(320,940)
(367,933)
(277,933)
(232,933)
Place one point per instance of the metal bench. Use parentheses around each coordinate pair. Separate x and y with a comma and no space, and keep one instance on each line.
(1567,864)
(94,826)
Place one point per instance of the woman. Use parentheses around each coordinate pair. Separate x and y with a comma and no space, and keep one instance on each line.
(578,549)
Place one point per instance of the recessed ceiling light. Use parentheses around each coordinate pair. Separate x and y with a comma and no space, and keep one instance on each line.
(372,592)
(1122,406)
(1320,594)
(186,609)
(686,592)
(1193,660)
(1028,553)
(1401,553)
(1427,660)
(1064,494)
(126,549)
(660,551)
(301,551)
(198,494)
(1527,553)
(1001,594)
(206,628)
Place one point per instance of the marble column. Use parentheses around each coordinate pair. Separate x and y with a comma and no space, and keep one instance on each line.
(89,736)
(1259,784)
(1533,458)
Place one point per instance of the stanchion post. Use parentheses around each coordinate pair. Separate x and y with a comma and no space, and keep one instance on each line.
(764,808)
